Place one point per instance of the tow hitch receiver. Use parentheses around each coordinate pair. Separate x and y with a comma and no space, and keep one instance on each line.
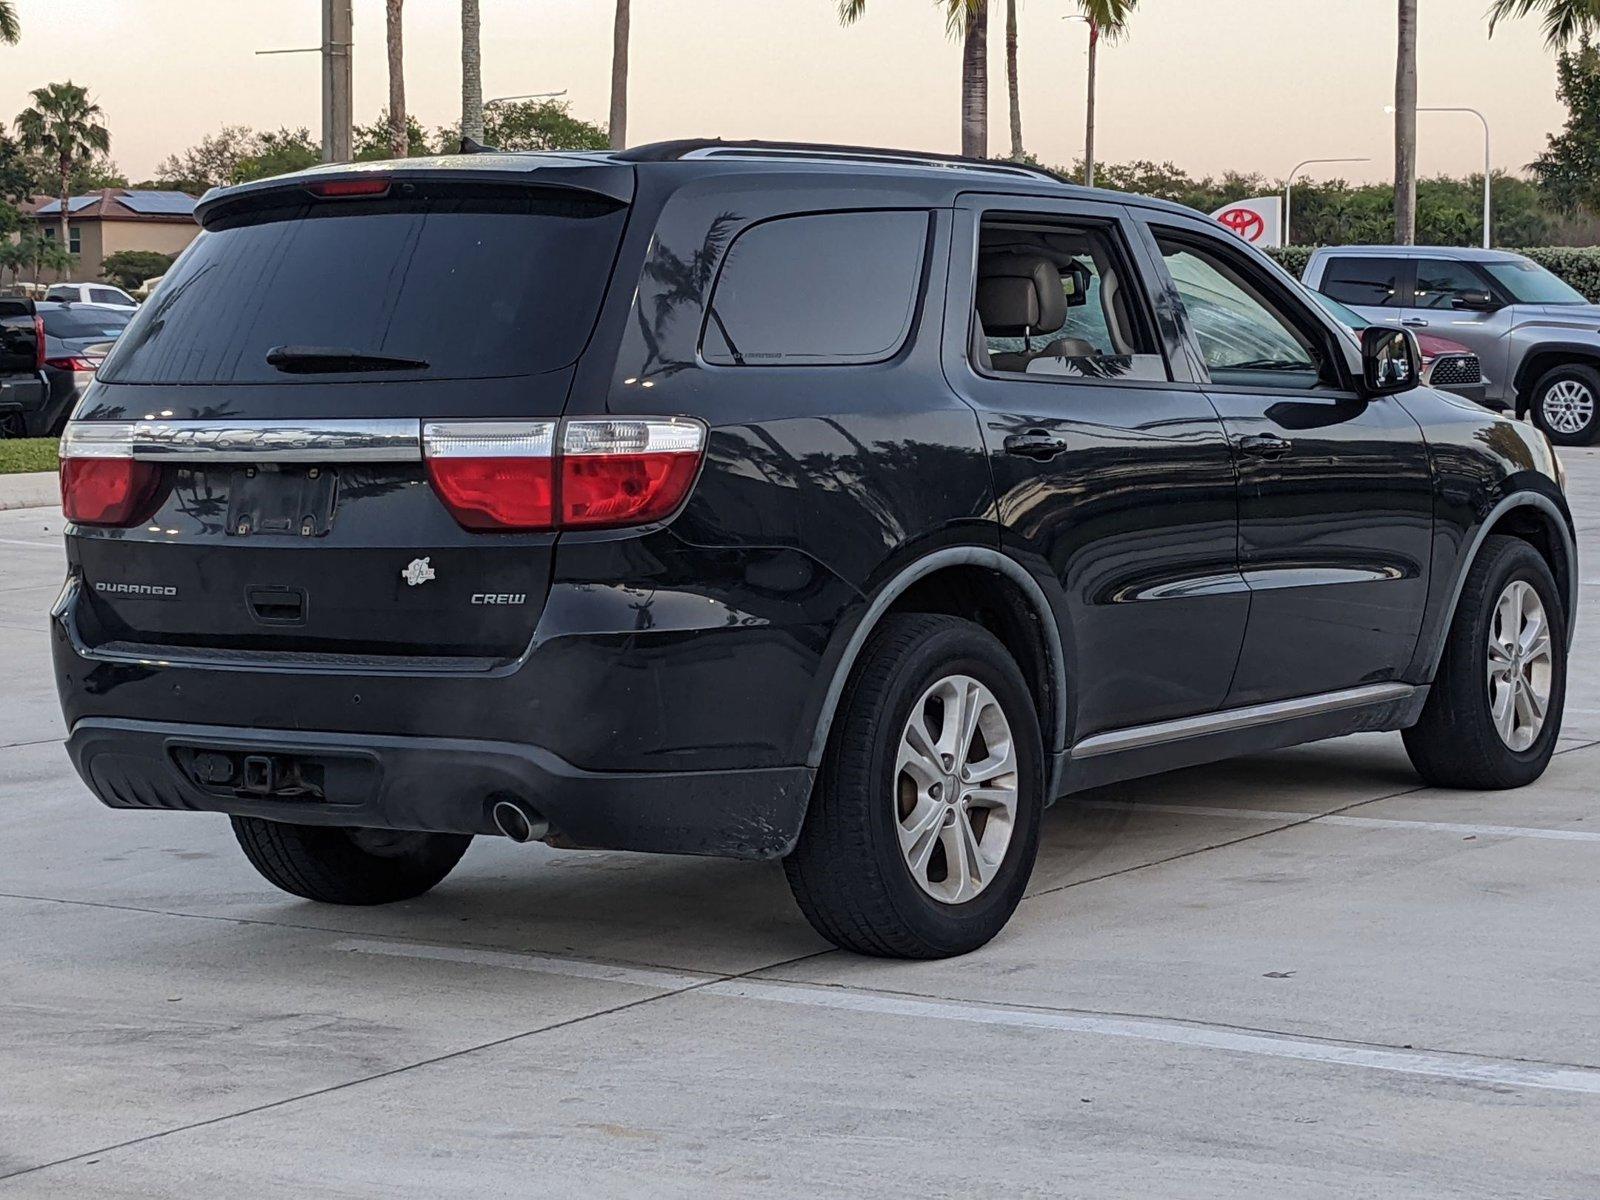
(277,776)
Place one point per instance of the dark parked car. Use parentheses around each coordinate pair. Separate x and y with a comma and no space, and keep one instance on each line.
(839,506)
(77,338)
(22,384)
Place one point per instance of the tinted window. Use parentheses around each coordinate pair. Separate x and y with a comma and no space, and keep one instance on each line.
(1248,336)
(477,283)
(61,293)
(1529,283)
(829,289)
(107,296)
(1364,282)
(1440,282)
(80,322)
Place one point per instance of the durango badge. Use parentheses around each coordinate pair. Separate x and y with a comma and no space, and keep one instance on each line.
(417,571)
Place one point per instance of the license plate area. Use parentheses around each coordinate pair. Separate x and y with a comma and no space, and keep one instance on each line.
(292,501)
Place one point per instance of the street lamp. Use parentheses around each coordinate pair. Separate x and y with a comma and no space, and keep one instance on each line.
(1288,191)
(1487,178)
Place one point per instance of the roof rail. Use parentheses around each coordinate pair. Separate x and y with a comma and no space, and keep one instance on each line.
(689,148)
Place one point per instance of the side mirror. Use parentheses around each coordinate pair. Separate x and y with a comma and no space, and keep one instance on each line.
(1390,361)
(1474,301)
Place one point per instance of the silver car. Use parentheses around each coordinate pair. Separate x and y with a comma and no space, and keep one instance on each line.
(1538,339)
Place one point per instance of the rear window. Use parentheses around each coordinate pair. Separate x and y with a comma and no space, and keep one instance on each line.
(834,288)
(476,282)
(1364,282)
(84,322)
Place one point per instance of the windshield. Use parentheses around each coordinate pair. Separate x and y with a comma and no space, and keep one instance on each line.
(1529,283)
(1348,317)
(84,322)
(462,283)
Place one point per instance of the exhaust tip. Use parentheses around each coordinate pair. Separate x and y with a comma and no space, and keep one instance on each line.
(518,821)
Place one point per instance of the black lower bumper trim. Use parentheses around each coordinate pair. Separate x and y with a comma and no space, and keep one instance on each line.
(445,785)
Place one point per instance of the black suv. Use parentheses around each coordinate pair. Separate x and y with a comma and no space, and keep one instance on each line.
(840,506)
(23,387)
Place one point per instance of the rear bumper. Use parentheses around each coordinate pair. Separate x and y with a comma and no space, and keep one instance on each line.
(447,785)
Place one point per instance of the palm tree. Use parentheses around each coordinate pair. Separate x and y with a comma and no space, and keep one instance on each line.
(1564,20)
(399,135)
(10,27)
(62,125)
(619,77)
(1017,152)
(471,73)
(1107,19)
(1405,127)
(971,19)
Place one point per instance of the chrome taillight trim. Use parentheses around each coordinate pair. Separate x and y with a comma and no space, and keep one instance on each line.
(489,439)
(632,435)
(379,440)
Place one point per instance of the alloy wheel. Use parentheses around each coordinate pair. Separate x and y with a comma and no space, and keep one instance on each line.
(1568,406)
(1520,665)
(955,789)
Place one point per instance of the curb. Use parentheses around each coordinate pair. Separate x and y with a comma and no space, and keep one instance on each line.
(35,489)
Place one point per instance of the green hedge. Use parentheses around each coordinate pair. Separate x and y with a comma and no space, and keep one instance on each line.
(1578,265)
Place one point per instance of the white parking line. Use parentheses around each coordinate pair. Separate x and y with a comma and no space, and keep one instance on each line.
(1262,814)
(1462,1068)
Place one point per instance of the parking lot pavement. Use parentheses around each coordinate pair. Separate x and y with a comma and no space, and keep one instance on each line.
(1298,974)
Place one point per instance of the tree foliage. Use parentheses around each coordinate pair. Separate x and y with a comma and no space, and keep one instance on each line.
(533,125)
(372,141)
(1569,168)
(129,268)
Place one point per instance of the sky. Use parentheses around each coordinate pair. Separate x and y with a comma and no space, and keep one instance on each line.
(1211,85)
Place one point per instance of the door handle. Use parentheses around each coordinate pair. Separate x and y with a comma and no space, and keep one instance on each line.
(1036,444)
(1264,445)
(1414,323)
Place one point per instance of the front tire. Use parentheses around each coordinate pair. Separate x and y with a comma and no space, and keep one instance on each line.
(924,824)
(1566,404)
(1494,712)
(348,866)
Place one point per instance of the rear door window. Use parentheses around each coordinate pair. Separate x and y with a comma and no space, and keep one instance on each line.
(825,289)
(476,281)
(1365,282)
(1441,282)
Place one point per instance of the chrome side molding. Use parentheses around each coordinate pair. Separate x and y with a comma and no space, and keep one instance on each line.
(1138,737)
(384,440)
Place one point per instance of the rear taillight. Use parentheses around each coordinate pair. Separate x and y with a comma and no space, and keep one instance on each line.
(101,482)
(38,343)
(494,474)
(73,362)
(586,473)
(349,189)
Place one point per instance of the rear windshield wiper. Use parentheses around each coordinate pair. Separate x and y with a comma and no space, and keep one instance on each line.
(327,360)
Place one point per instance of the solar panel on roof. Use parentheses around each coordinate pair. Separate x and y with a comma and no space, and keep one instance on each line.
(75,204)
(159,203)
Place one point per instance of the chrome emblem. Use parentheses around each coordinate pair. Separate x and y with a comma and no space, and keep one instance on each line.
(417,571)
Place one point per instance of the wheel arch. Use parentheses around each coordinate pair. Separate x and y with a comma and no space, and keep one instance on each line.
(1546,357)
(940,582)
(1536,519)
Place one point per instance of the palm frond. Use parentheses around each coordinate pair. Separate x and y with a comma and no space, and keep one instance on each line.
(1563,21)
(1110,17)
(10,27)
(851,11)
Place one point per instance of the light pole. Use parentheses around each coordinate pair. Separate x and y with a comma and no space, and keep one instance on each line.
(529,96)
(1488,194)
(1288,191)
(338,113)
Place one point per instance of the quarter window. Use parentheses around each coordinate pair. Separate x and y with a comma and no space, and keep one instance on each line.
(818,290)
(1364,282)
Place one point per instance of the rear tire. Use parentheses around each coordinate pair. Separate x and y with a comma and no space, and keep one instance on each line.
(1458,742)
(348,866)
(1565,404)
(871,870)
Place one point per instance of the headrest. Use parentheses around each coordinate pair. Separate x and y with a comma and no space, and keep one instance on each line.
(1020,295)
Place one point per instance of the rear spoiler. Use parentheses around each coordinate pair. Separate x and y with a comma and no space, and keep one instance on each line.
(598,173)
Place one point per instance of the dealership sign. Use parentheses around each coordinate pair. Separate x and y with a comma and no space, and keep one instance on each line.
(1258,221)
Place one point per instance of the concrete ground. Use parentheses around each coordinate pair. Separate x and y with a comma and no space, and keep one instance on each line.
(1295,975)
